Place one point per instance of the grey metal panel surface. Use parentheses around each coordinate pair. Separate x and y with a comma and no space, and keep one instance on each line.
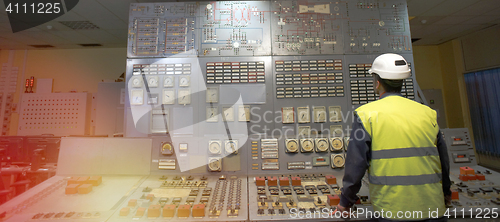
(435,100)
(376,27)
(308,27)
(162,29)
(109,108)
(234,28)
(104,156)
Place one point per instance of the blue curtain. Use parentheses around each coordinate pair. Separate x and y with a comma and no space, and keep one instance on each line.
(483,91)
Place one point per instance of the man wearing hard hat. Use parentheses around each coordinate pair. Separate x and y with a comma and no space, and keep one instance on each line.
(398,141)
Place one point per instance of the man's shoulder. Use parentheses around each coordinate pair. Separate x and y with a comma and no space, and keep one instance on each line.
(388,103)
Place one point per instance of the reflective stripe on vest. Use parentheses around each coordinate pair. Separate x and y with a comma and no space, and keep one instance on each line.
(405,180)
(404,152)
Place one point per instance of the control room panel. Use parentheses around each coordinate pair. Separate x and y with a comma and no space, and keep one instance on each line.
(241,111)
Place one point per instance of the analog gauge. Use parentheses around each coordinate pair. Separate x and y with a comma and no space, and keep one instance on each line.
(212,114)
(167,148)
(321,145)
(346,142)
(214,164)
(287,115)
(335,114)
(231,147)
(212,95)
(319,113)
(214,147)
(168,96)
(244,113)
(228,114)
(304,131)
(184,81)
(153,81)
(336,144)
(303,114)
(184,96)
(292,146)
(168,82)
(307,145)
(338,160)
(335,130)
(136,97)
(136,82)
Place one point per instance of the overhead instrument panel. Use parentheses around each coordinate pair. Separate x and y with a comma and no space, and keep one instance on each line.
(234,28)
(162,29)
(307,27)
(372,26)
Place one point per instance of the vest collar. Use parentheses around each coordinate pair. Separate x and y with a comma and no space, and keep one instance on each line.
(389,94)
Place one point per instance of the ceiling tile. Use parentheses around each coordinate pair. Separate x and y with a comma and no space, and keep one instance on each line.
(90,9)
(479,8)
(4,26)
(74,37)
(448,7)
(110,24)
(70,16)
(22,38)
(56,26)
(415,28)
(482,19)
(426,41)
(115,45)
(48,37)
(418,7)
(428,20)
(119,8)
(453,20)
(4,17)
(428,30)
(100,36)
(119,33)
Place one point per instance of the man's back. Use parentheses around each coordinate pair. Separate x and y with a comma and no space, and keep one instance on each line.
(405,168)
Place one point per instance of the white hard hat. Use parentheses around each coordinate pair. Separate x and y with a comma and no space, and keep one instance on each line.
(390,66)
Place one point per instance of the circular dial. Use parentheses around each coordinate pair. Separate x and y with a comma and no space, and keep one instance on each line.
(231,147)
(184,81)
(214,165)
(152,82)
(338,161)
(136,82)
(322,145)
(169,82)
(214,148)
(167,148)
(307,145)
(337,144)
(292,146)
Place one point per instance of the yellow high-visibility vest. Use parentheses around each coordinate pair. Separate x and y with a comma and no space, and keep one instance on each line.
(405,169)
